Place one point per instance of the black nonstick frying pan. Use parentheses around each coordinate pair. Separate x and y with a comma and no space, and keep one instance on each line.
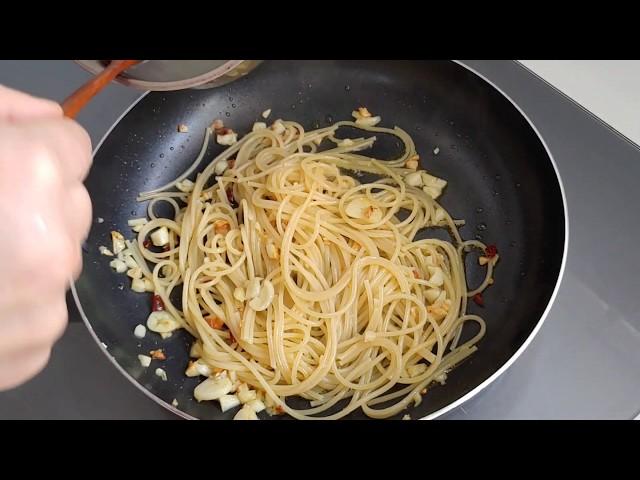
(502,181)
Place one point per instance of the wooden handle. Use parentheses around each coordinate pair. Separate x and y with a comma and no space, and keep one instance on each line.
(78,99)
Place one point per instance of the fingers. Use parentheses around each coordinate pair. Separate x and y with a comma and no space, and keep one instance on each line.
(18,368)
(19,106)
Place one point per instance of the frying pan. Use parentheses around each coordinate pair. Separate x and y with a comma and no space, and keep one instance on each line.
(502,181)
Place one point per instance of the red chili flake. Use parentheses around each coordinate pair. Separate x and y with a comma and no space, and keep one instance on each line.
(478,299)
(146,243)
(279,410)
(231,162)
(157,304)
(166,248)
(416,274)
(231,198)
(158,354)
(214,322)
(232,339)
(491,251)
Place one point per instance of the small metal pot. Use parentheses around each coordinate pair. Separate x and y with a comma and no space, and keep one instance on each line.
(177,74)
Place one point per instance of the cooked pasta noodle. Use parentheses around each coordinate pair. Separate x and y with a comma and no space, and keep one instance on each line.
(300,281)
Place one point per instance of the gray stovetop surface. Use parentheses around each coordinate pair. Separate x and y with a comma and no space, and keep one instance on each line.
(584,363)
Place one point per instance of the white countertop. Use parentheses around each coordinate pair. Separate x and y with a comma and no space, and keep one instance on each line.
(610,89)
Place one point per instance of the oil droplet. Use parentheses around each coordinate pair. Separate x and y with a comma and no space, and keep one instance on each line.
(495,193)
(170,148)
(153,165)
(481,227)
(347,88)
(512,243)
(523,274)
(328,119)
(452,123)
(139,168)
(507,223)
(479,210)
(233,105)
(133,212)
(293,106)
(478,237)
(162,155)
(227,114)
(453,147)
(309,85)
(231,99)
(121,286)
(301,101)
(517,185)
(498,177)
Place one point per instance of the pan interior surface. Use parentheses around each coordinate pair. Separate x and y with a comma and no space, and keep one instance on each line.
(501,181)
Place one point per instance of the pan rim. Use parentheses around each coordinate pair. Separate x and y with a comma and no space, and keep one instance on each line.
(464,398)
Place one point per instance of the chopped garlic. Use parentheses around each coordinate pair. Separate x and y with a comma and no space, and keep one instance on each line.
(134,222)
(347,142)
(245,394)
(144,360)
(162,374)
(266,113)
(166,335)
(220,167)
(278,127)
(212,388)
(185,185)
(160,237)
(253,288)
(182,128)
(406,417)
(238,294)
(140,331)
(246,413)
(362,208)
(198,368)
(414,179)
(174,403)
(258,126)
(137,285)
(196,350)
(227,138)
(227,402)
(442,378)
(483,260)
(264,298)
(134,272)
(436,151)
(256,405)
(148,285)
(432,294)
(118,241)
(439,215)
(364,112)
(105,251)
(118,265)
(131,262)
(368,121)
(100,220)
(162,322)
(436,276)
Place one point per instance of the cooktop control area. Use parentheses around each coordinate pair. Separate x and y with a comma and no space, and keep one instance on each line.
(592,330)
